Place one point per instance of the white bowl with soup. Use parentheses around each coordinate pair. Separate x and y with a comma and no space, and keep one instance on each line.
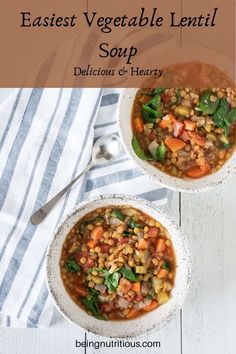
(183,139)
(118,266)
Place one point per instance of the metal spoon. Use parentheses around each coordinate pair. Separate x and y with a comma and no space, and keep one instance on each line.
(106,149)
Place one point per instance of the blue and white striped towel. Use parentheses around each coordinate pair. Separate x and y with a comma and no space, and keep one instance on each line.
(46,137)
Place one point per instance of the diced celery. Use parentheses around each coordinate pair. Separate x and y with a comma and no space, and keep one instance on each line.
(224,139)
(157,284)
(182,111)
(140,269)
(163,297)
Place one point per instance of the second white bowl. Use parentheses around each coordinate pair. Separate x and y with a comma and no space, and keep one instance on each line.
(136,327)
(191,185)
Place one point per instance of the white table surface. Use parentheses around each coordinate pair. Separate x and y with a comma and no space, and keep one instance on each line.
(207,322)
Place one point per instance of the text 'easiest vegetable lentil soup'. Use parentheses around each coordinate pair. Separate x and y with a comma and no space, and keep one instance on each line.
(118,263)
(187,133)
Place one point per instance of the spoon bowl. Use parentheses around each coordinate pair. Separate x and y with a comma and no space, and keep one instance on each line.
(106,149)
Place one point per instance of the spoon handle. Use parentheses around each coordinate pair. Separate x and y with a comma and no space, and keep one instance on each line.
(41,213)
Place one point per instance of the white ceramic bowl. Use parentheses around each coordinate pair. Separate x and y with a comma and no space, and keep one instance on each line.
(186,185)
(136,327)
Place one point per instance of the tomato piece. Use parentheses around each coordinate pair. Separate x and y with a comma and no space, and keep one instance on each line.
(105,248)
(153,231)
(198,139)
(81,290)
(107,306)
(165,98)
(185,135)
(178,127)
(189,125)
(139,297)
(79,255)
(90,263)
(152,135)
(123,240)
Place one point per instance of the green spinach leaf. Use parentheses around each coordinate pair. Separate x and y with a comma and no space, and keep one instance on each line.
(221,113)
(153,109)
(231,116)
(128,233)
(178,95)
(157,91)
(72,266)
(111,280)
(134,224)
(138,149)
(166,265)
(206,105)
(128,274)
(118,214)
(91,304)
(149,114)
(161,152)
(224,116)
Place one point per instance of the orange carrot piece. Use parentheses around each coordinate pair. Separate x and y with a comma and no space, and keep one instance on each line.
(162,274)
(198,171)
(138,125)
(142,244)
(175,144)
(221,154)
(161,245)
(91,243)
(132,313)
(125,285)
(97,232)
(136,287)
(189,125)
(167,120)
(81,290)
(198,139)
(164,124)
(153,305)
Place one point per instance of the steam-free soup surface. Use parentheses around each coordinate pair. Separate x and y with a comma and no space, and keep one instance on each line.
(118,263)
(187,133)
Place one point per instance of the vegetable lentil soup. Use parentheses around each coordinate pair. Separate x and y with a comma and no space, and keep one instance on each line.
(118,263)
(186,133)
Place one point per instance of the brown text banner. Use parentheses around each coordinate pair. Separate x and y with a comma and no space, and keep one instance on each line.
(125,43)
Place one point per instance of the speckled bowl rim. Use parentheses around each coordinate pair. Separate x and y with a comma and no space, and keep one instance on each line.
(177,184)
(112,199)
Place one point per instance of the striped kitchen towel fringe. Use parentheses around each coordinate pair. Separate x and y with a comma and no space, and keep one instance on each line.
(46,137)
